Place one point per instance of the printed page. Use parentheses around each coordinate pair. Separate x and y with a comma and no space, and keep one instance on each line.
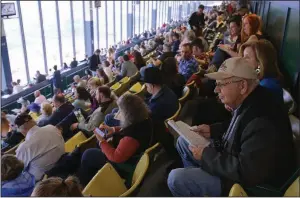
(191,137)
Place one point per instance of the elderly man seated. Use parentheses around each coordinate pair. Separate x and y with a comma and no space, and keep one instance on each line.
(256,148)
(79,82)
(39,98)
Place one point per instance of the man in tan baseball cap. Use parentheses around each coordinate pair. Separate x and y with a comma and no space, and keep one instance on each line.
(245,151)
(235,80)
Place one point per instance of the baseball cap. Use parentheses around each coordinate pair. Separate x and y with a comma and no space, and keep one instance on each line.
(22,119)
(234,67)
(34,107)
(151,75)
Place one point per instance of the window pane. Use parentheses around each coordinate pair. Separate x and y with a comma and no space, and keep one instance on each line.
(102,27)
(142,16)
(124,20)
(136,17)
(66,30)
(33,38)
(50,32)
(110,21)
(118,13)
(150,15)
(15,49)
(79,29)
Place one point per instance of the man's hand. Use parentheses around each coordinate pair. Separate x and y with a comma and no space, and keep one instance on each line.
(197,151)
(74,126)
(202,129)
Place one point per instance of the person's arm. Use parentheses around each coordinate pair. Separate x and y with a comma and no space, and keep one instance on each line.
(123,70)
(255,154)
(126,149)
(95,120)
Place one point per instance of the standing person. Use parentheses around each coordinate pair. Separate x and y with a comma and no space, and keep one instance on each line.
(74,63)
(197,19)
(56,80)
(39,77)
(95,62)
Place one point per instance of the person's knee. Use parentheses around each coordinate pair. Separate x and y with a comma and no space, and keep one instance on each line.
(176,178)
(89,155)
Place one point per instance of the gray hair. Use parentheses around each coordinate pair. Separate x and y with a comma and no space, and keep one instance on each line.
(76,77)
(133,108)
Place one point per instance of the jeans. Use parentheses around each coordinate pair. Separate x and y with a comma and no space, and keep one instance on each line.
(219,57)
(92,161)
(110,120)
(192,180)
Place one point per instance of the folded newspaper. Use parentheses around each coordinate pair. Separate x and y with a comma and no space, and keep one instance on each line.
(191,137)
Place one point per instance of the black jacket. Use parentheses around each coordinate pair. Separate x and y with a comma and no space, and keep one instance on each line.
(62,112)
(56,80)
(40,78)
(74,64)
(197,20)
(260,150)
(94,61)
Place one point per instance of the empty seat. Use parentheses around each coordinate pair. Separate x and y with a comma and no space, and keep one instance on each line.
(74,141)
(293,190)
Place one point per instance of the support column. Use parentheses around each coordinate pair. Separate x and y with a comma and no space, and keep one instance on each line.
(6,71)
(154,14)
(89,32)
(180,12)
(169,13)
(43,36)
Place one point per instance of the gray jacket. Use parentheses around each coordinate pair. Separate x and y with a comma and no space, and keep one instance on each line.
(128,69)
(97,117)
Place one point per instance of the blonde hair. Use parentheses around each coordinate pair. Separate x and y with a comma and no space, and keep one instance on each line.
(47,108)
(11,167)
(266,55)
(133,109)
(57,187)
(94,82)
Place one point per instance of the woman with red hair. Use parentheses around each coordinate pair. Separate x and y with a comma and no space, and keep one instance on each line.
(251,30)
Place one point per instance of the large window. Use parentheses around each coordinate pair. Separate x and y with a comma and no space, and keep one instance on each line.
(51,33)
(15,49)
(118,21)
(66,30)
(124,20)
(150,15)
(33,38)
(136,17)
(110,21)
(79,29)
(102,26)
(142,16)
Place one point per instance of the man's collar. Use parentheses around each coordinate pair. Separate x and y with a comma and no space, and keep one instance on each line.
(31,132)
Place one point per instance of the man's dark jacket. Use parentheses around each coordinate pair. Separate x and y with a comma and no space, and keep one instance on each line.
(197,20)
(260,150)
(62,112)
(40,78)
(94,61)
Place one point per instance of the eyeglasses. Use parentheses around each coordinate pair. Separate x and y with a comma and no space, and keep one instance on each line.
(220,85)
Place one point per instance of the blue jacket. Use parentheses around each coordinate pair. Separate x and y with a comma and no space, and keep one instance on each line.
(22,186)
(56,80)
(163,105)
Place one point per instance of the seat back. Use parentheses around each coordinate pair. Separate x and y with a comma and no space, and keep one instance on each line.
(185,94)
(237,191)
(74,141)
(124,80)
(289,101)
(174,117)
(111,83)
(135,78)
(293,190)
(13,149)
(137,87)
(106,183)
(139,174)
(91,142)
(35,116)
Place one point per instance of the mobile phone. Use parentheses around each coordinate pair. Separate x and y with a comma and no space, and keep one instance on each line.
(101,133)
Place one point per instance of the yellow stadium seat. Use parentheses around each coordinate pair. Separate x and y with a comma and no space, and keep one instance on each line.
(185,94)
(124,80)
(294,189)
(174,117)
(237,191)
(13,149)
(137,87)
(91,142)
(74,141)
(149,150)
(107,182)
(116,86)
(35,116)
